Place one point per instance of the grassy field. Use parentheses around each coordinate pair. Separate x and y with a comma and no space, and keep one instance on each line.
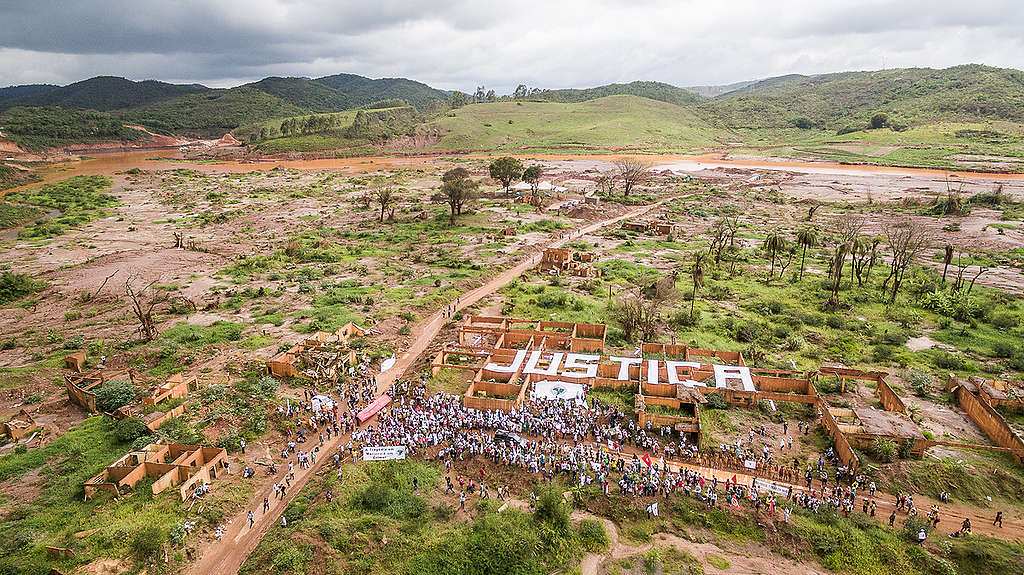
(614,122)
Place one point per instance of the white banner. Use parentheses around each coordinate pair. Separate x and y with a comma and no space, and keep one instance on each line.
(387,363)
(750,464)
(551,390)
(766,486)
(384,452)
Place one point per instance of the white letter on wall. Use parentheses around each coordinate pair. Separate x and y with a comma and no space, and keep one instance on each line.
(673,371)
(586,362)
(624,363)
(724,373)
(531,364)
(652,371)
(516,362)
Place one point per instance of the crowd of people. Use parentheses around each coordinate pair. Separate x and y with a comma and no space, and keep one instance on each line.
(585,444)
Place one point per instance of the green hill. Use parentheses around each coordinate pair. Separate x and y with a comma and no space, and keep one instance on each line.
(34,128)
(653,90)
(613,122)
(304,93)
(908,96)
(361,91)
(105,93)
(25,91)
(213,113)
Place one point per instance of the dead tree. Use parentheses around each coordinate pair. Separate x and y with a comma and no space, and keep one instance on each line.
(946,260)
(179,239)
(633,172)
(905,241)
(639,309)
(143,302)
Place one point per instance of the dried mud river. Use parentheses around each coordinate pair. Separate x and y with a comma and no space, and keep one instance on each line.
(111,163)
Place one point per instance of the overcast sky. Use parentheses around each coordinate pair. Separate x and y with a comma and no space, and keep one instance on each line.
(460,44)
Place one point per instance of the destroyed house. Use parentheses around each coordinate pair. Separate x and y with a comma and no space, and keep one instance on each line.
(324,356)
(169,465)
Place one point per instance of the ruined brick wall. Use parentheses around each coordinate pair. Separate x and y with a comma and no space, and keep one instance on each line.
(990,421)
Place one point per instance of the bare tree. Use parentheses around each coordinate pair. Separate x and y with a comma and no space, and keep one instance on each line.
(384,196)
(143,302)
(905,241)
(633,172)
(639,309)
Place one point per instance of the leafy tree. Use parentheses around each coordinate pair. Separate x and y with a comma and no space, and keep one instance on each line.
(905,241)
(806,238)
(505,170)
(458,99)
(532,176)
(458,189)
(879,120)
(521,92)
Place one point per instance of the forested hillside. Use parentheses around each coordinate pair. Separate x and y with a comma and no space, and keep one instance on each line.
(211,114)
(906,96)
(105,93)
(653,90)
(41,127)
(361,91)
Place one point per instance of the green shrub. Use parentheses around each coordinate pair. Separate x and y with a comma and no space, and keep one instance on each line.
(552,509)
(716,401)
(885,450)
(1004,320)
(114,395)
(591,535)
(16,286)
(1004,349)
(913,525)
(147,542)
(129,429)
(950,361)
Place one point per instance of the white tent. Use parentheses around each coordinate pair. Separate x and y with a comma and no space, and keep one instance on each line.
(544,186)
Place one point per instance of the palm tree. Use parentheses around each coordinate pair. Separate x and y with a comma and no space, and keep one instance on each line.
(773,244)
(806,238)
(697,274)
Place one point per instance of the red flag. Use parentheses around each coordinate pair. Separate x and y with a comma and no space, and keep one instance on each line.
(646,459)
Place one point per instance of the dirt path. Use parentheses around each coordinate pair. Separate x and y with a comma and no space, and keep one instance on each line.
(239,540)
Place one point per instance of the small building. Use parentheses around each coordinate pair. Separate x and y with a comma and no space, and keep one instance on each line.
(651,227)
(19,426)
(565,260)
(170,465)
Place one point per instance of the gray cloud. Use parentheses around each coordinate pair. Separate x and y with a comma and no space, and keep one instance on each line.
(460,44)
